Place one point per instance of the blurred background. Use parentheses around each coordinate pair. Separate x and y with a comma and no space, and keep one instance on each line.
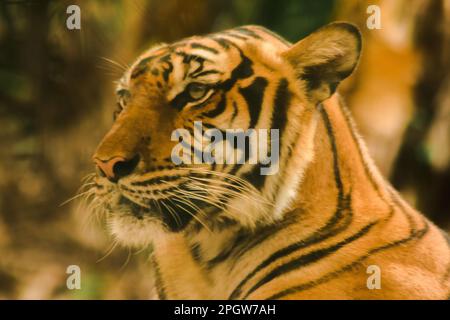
(56,103)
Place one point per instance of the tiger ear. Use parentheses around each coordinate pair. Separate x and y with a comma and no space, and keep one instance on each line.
(325,58)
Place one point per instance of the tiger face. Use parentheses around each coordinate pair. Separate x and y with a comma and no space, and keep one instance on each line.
(243,78)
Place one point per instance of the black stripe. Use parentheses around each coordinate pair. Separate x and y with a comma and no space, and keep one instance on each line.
(168,67)
(369,175)
(242,71)
(141,67)
(178,220)
(223,222)
(156,180)
(337,175)
(158,279)
(194,151)
(181,100)
(308,258)
(151,192)
(247,32)
(220,107)
(224,43)
(235,112)
(339,222)
(414,234)
(138,71)
(279,121)
(208,125)
(253,95)
(404,210)
(195,252)
(367,171)
(281,104)
(203,47)
(274,35)
(224,255)
(263,234)
(234,35)
(332,275)
(187,58)
(197,71)
(204,73)
(254,176)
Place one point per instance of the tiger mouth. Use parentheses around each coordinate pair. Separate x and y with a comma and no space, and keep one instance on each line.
(137,210)
(174,220)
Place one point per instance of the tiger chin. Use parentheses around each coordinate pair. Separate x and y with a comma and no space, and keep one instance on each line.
(222,230)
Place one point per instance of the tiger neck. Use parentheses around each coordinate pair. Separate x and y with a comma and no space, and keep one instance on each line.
(341,173)
(339,170)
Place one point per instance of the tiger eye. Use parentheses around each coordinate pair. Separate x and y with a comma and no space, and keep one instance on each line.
(197,90)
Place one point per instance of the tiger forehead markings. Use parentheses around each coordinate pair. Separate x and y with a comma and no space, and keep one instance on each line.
(224,230)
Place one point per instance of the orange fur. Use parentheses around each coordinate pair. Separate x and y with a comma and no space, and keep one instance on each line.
(309,231)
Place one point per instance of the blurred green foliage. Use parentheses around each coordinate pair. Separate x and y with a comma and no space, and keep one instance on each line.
(292,19)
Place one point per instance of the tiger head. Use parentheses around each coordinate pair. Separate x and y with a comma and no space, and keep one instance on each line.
(240,79)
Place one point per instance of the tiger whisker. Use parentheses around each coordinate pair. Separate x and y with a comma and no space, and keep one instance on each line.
(242,184)
(246,194)
(217,203)
(109,251)
(115,63)
(172,213)
(191,214)
(157,204)
(189,203)
(191,194)
(128,259)
(76,197)
(243,195)
(221,174)
(241,188)
(94,208)
(201,198)
(87,177)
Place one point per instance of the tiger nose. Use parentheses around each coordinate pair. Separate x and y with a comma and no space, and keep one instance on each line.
(116,167)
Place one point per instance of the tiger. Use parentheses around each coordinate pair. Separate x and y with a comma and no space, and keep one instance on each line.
(315,228)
